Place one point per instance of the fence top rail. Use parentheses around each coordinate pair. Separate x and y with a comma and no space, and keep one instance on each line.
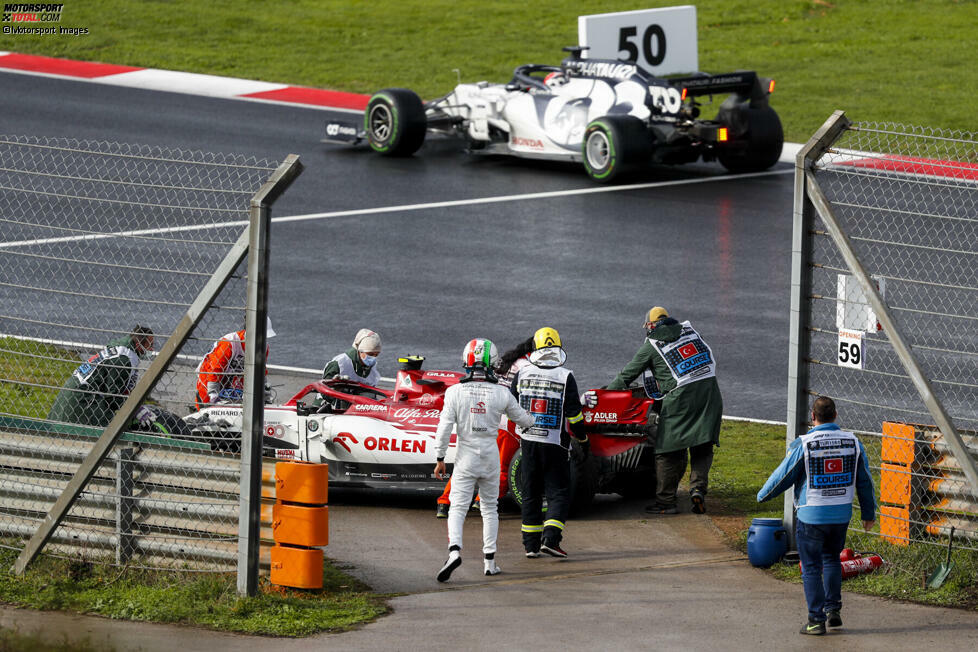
(100,148)
(897,129)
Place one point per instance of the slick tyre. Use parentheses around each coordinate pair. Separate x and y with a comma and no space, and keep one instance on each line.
(613,145)
(764,136)
(395,122)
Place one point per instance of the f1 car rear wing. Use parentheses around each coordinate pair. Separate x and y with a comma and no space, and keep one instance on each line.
(745,83)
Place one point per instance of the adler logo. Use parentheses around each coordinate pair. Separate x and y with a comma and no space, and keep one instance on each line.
(532,143)
(601,417)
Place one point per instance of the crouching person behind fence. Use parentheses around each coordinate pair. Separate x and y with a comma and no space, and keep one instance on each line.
(827,467)
(98,387)
(473,408)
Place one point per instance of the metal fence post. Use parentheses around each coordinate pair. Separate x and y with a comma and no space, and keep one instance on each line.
(799,339)
(252,417)
(124,505)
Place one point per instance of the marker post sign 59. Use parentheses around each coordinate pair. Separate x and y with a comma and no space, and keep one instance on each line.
(662,41)
(851,352)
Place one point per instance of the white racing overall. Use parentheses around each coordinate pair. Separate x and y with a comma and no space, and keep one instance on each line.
(474,409)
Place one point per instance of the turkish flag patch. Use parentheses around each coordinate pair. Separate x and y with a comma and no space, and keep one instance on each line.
(833,465)
(538,405)
(687,350)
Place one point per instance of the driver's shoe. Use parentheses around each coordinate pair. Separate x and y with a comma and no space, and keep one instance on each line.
(454,561)
(441,511)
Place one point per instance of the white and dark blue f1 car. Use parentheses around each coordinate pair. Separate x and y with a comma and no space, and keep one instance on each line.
(610,115)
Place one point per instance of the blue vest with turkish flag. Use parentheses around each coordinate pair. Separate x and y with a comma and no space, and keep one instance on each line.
(831,459)
(688,357)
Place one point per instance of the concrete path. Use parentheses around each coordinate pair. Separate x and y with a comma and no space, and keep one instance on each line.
(631,583)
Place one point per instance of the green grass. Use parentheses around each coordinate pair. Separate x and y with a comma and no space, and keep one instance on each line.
(888,60)
(28,373)
(202,599)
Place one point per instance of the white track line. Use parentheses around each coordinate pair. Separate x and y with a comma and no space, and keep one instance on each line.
(406,207)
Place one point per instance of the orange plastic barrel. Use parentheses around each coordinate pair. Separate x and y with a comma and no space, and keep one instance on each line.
(301,482)
(300,525)
(300,568)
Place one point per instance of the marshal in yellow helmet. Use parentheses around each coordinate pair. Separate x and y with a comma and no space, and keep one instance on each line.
(546,337)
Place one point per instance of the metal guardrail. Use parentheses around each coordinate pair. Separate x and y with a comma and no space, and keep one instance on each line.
(148,494)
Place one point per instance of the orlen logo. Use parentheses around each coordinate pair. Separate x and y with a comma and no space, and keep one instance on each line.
(478,408)
(395,445)
(532,143)
(341,438)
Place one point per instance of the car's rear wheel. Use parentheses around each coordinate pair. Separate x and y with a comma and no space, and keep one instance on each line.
(395,122)
(639,483)
(761,127)
(584,479)
(613,144)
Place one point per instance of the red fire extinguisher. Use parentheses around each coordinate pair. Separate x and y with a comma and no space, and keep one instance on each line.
(857,563)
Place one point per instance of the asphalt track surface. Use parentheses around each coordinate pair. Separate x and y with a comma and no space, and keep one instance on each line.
(589,261)
(444,246)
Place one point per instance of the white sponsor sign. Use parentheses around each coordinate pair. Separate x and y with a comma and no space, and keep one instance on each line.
(852,308)
(663,41)
(851,351)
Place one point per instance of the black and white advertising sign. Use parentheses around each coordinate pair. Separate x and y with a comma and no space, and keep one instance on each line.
(851,351)
(663,41)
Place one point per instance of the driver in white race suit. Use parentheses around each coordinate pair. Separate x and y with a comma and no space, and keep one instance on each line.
(473,409)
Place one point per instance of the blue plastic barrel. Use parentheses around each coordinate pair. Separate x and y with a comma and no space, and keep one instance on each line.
(767,541)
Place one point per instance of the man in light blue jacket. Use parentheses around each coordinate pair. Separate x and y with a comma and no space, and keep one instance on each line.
(827,467)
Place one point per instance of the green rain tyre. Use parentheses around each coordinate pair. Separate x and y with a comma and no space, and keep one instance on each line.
(614,144)
(395,122)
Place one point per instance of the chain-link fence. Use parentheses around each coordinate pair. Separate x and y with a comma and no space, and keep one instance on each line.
(885,307)
(109,252)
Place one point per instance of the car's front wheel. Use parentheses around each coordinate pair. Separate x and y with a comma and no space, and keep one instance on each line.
(613,144)
(395,122)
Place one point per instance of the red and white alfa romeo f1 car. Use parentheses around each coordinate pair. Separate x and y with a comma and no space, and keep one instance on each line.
(385,439)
